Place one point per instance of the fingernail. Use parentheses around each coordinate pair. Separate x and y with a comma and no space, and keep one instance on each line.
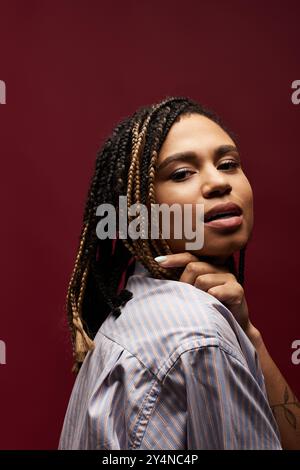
(160,259)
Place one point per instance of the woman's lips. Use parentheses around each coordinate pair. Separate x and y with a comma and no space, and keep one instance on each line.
(226,222)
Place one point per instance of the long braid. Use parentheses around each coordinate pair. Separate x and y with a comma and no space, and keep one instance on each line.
(125,166)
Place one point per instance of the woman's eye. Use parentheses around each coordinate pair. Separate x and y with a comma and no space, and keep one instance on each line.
(231,163)
(179,174)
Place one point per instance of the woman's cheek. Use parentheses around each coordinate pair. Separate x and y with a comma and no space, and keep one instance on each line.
(174,194)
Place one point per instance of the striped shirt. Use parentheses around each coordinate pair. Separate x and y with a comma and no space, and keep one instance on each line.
(174,371)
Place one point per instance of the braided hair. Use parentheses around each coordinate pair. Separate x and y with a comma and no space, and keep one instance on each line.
(125,166)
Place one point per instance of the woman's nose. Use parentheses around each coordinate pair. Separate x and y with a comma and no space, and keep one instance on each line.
(215,183)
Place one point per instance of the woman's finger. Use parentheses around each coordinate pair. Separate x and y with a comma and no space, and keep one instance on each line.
(232,296)
(230,293)
(195,269)
(207,281)
(176,260)
(193,266)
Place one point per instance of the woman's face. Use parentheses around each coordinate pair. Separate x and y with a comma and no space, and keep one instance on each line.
(213,176)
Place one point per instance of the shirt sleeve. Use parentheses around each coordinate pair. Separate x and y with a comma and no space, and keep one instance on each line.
(226,406)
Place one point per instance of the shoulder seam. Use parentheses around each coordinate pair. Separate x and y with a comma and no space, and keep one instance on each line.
(218,343)
(181,349)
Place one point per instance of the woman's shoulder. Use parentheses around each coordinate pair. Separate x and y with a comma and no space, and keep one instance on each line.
(165,318)
(177,312)
(176,300)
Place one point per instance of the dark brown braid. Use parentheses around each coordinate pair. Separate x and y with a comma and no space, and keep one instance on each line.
(125,166)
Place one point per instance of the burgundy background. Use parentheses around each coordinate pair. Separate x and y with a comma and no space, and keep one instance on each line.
(72,70)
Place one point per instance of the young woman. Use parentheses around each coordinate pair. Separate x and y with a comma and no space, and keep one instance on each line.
(165,353)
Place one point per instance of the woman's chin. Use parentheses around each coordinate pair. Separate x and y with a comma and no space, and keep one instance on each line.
(215,253)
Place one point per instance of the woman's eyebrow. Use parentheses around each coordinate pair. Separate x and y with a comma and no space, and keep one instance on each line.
(192,157)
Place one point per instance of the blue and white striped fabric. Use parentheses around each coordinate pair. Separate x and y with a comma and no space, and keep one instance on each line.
(174,371)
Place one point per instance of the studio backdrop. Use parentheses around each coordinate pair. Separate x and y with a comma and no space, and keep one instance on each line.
(69,71)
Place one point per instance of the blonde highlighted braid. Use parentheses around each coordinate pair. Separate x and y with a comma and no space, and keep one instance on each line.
(125,165)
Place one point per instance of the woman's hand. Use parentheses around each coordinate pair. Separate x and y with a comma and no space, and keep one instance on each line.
(215,280)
